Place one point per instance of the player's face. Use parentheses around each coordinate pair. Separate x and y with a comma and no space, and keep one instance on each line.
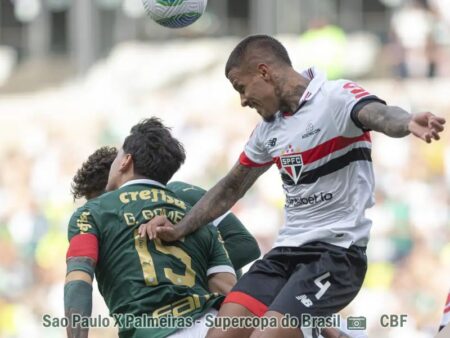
(115,173)
(256,91)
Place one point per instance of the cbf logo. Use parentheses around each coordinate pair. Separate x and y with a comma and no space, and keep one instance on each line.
(292,164)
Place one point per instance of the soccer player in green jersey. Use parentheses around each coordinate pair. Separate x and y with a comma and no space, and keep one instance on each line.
(139,280)
(90,182)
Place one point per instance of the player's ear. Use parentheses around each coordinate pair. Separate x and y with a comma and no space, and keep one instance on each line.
(263,71)
(127,163)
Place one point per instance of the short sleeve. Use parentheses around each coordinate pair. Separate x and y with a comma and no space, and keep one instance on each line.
(255,154)
(218,258)
(241,246)
(346,99)
(83,235)
(82,222)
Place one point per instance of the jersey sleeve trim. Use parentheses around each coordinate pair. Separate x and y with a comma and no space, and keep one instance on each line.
(83,245)
(361,104)
(246,161)
(219,219)
(220,268)
(252,304)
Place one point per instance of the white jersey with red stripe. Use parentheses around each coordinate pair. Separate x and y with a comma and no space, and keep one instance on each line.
(446,317)
(323,156)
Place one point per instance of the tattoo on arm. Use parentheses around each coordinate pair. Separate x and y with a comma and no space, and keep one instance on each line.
(222,196)
(390,120)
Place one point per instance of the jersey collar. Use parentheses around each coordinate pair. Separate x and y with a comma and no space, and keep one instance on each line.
(143,181)
(317,79)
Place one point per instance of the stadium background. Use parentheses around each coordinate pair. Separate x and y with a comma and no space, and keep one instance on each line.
(75,75)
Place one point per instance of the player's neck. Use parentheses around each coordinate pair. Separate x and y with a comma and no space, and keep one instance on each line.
(292,91)
(130,177)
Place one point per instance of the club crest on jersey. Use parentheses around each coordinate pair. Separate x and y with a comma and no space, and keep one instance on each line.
(292,164)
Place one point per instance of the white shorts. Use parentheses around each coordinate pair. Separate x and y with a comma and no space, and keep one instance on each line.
(198,330)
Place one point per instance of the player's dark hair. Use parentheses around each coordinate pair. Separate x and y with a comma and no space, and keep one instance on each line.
(90,180)
(155,152)
(268,46)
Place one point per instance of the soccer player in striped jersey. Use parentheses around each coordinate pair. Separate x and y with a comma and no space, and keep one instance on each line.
(317,133)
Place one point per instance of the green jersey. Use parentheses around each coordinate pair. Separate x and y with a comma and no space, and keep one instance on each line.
(240,244)
(141,277)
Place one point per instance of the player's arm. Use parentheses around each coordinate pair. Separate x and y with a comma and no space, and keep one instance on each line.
(78,293)
(241,246)
(396,122)
(221,282)
(81,260)
(221,275)
(213,204)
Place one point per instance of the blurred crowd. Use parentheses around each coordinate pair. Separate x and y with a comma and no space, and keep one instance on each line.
(420,35)
(47,134)
(416,44)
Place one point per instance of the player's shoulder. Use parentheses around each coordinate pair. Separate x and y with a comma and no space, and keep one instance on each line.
(179,186)
(205,233)
(341,91)
(335,87)
(95,205)
(87,210)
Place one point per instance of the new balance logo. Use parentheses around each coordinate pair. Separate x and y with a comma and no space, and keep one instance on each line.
(305,300)
(271,143)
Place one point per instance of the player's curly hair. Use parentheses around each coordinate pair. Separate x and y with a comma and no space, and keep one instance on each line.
(269,46)
(155,152)
(90,180)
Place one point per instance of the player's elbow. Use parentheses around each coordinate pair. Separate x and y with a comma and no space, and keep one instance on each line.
(249,253)
(252,249)
(78,275)
(221,282)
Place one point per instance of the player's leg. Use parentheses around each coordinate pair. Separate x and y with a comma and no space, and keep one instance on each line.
(254,292)
(293,332)
(324,282)
(229,310)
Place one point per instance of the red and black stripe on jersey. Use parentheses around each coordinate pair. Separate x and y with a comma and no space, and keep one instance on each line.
(326,149)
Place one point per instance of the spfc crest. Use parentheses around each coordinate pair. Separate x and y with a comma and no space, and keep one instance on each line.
(292,165)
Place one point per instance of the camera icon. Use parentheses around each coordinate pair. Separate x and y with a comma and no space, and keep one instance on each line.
(356,323)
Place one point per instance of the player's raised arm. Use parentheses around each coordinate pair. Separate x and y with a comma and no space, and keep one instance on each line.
(213,204)
(396,122)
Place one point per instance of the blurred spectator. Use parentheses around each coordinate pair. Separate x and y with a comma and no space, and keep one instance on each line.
(414,48)
(323,45)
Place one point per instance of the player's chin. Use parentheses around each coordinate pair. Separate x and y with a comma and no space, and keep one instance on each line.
(268,117)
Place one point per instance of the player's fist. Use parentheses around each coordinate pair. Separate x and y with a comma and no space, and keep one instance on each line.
(426,126)
(160,227)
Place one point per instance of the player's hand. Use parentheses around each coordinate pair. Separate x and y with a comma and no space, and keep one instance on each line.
(160,227)
(426,126)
